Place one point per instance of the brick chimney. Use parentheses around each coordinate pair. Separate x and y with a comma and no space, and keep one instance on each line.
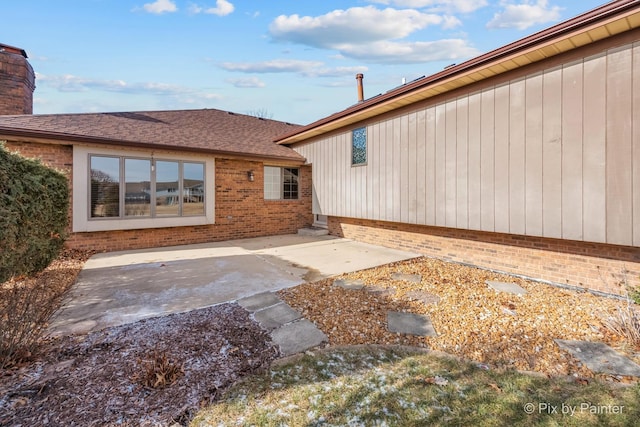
(17,81)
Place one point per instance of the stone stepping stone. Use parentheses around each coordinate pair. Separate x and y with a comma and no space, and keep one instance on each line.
(511,288)
(259,301)
(275,316)
(350,284)
(381,291)
(423,297)
(410,324)
(297,337)
(599,357)
(414,278)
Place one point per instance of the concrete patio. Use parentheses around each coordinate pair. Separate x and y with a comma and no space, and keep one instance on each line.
(123,287)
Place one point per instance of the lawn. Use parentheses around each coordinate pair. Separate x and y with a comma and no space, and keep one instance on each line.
(396,386)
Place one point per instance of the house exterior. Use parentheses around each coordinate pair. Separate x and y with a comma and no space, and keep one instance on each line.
(161,178)
(524,160)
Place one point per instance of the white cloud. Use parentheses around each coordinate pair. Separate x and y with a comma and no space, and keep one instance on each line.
(371,34)
(273,66)
(525,14)
(71,83)
(451,6)
(354,25)
(450,22)
(160,6)
(251,82)
(304,68)
(386,52)
(222,8)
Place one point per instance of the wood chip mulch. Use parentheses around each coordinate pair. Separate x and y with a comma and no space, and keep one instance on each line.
(472,320)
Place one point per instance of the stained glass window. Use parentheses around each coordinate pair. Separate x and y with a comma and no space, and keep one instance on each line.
(359,146)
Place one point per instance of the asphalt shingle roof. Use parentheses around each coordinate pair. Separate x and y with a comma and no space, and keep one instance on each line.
(206,130)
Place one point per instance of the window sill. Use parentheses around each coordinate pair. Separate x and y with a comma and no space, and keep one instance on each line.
(141,223)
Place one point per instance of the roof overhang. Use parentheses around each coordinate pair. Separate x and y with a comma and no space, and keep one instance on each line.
(30,135)
(606,21)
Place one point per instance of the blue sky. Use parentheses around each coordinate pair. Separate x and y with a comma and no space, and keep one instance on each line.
(291,60)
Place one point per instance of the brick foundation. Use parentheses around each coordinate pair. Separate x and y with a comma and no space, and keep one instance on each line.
(593,266)
(241,210)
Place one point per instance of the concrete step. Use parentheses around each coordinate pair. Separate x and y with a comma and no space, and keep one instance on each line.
(313,231)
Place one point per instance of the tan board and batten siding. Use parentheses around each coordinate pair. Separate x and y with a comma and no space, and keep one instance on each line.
(555,153)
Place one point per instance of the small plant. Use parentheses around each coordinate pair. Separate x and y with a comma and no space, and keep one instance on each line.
(25,310)
(634,293)
(625,323)
(159,371)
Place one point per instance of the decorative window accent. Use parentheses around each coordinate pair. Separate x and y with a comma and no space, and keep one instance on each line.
(280,183)
(127,187)
(359,146)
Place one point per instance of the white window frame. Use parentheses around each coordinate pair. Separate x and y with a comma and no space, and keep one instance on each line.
(274,183)
(81,188)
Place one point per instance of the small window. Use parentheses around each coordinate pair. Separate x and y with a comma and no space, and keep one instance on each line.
(359,146)
(280,183)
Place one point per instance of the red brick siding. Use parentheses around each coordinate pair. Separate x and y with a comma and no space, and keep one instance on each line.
(17,82)
(599,267)
(241,210)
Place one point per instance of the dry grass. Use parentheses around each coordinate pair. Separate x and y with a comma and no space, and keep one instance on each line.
(27,304)
(625,322)
(158,371)
(378,386)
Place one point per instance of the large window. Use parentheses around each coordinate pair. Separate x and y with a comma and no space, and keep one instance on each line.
(127,187)
(359,146)
(280,183)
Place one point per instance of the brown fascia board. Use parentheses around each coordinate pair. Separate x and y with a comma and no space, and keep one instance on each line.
(70,138)
(600,13)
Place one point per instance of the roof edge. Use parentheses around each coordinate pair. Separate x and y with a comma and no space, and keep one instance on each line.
(583,20)
(70,138)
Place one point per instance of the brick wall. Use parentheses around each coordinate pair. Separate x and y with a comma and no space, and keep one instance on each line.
(17,83)
(241,210)
(598,267)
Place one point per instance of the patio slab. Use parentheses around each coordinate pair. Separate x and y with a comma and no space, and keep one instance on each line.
(123,287)
(410,323)
(259,301)
(599,357)
(511,288)
(298,336)
(349,284)
(275,316)
(413,278)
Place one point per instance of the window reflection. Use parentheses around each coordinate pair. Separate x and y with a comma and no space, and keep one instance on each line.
(193,190)
(167,189)
(290,184)
(137,187)
(105,187)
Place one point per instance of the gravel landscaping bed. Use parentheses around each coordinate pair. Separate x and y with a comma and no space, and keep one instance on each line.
(472,320)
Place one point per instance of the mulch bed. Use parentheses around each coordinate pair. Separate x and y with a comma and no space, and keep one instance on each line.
(99,379)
